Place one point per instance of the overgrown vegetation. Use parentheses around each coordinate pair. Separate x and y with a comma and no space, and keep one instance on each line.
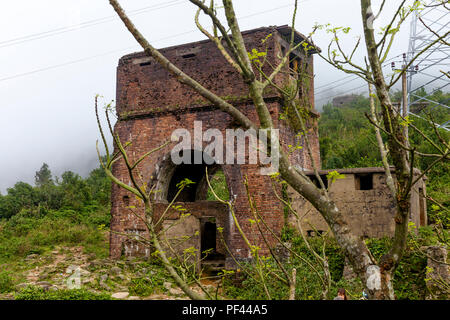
(68,211)
(35,293)
(219,184)
(347,140)
(409,283)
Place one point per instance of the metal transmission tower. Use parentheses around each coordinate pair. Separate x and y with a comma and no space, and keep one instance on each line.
(427,69)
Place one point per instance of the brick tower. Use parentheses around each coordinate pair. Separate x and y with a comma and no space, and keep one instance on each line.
(151,104)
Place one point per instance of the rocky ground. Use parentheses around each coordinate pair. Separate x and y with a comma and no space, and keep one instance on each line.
(68,268)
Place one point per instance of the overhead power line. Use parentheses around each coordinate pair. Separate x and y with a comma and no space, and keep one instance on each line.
(332,82)
(341,83)
(63,64)
(127,48)
(98,21)
(337,95)
(86,24)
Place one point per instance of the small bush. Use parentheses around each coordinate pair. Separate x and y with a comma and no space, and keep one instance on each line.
(6,282)
(409,278)
(141,287)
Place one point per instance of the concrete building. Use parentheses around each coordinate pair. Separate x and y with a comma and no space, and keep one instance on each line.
(365,198)
(344,99)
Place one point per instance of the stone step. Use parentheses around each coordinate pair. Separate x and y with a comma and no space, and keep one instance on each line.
(213,265)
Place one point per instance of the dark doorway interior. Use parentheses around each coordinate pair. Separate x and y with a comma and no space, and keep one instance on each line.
(317,183)
(208,240)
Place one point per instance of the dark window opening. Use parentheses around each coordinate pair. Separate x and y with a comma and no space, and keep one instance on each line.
(295,65)
(143,64)
(208,240)
(313,233)
(317,183)
(126,200)
(189,55)
(364,181)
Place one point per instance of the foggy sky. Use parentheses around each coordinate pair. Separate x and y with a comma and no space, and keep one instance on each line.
(48,116)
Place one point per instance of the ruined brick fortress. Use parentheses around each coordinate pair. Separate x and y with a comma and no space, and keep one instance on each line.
(151,104)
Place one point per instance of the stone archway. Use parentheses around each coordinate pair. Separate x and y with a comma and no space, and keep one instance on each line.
(167,175)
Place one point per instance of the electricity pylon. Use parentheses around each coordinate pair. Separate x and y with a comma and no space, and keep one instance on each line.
(433,64)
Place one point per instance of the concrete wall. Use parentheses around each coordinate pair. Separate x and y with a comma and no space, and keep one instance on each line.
(198,212)
(369,212)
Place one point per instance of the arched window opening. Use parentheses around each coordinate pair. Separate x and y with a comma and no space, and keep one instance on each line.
(196,173)
(219,184)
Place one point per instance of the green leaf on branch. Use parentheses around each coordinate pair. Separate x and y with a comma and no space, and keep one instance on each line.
(334,175)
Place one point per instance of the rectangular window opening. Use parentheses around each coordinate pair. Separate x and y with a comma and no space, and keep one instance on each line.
(364,181)
(126,200)
(189,55)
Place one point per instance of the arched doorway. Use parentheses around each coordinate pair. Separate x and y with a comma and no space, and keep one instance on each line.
(197,200)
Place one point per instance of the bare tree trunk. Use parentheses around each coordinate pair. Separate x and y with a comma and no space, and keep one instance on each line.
(396,141)
(292,284)
(355,249)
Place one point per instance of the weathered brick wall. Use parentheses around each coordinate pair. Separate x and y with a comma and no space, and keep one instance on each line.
(151,104)
(148,133)
(143,85)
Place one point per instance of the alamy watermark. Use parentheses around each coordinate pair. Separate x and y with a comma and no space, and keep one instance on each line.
(231,149)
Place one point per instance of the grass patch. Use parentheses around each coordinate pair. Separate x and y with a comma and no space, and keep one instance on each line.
(36,293)
(27,233)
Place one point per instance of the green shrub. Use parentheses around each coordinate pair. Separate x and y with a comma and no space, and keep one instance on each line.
(219,184)
(6,282)
(141,287)
(409,278)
